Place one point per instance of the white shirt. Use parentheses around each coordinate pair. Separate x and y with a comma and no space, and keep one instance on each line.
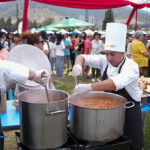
(60,49)
(128,77)
(11,72)
(96,47)
(52,48)
(45,47)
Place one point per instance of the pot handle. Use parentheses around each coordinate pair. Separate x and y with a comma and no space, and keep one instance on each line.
(132,104)
(54,112)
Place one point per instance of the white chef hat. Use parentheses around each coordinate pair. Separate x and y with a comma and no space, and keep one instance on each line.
(115,37)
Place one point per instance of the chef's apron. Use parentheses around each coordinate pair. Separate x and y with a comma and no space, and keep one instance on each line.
(133,128)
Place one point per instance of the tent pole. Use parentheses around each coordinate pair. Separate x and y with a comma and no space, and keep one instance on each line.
(130,16)
(136,21)
(25,15)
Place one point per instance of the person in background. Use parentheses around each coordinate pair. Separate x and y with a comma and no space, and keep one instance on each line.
(52,53)
(120,75)
(103,43)
(17,40)
(36,40)
(46,47)
(129,48)
(96,49)
(72,49)
(81,42)
(148,49)
(10,40)
(67,52)
(60,47)
(87,50)
(3,53)
(76,46)
(4,41)
(139,53)
(145,39)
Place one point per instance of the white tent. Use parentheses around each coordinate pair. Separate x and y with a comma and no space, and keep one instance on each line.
(49,32)
(101,32)
(15,32)
(89,32)
(62,31)
(3,30)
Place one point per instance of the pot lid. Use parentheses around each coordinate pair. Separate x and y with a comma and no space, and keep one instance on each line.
(31,57)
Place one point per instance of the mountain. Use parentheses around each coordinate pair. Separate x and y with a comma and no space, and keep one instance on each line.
(39,12)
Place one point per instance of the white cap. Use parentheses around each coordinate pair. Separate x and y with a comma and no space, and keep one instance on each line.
(115,37)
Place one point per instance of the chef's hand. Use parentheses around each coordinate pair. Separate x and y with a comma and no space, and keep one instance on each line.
(42,77)
(82,89)
(77,70)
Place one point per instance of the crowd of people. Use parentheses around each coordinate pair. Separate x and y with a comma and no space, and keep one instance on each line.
(63,49)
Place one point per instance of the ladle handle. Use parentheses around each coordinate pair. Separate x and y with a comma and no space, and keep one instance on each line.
(75,80)
(47,93)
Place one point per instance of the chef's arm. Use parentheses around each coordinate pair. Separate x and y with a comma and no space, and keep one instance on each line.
(32,75)
(106,85)
(80,60)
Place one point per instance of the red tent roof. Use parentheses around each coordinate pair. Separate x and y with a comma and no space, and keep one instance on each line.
(6,0)
(87,4)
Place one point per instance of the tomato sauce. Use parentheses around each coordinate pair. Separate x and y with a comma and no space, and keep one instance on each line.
(98,102)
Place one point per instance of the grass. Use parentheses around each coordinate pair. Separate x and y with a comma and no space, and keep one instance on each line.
(67,84)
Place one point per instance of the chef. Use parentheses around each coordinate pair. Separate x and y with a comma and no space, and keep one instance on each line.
(119,75)
(11,73)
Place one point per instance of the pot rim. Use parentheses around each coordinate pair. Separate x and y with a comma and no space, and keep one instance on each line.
(67,98)
(123,98)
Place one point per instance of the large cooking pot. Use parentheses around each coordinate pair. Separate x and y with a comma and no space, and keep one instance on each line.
(43,123)
(93,124)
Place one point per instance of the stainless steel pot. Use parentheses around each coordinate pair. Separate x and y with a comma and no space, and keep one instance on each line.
(97,125)
(43,124)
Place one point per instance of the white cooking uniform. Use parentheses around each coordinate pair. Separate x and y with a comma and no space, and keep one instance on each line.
(127,78)
(11,72)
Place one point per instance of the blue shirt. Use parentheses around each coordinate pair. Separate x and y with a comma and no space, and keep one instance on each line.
(67,43)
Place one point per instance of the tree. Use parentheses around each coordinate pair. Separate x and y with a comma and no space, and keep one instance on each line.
(8,24)
(2,23)
(48,21)
(109,17)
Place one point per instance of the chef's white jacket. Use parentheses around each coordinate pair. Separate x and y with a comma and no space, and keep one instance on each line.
(128,77)
(11,72)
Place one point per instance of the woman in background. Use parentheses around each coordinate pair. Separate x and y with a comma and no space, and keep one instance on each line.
(96,49)
(52,54)
(60,47)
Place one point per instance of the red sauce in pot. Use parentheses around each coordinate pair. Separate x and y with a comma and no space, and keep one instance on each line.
(98,102)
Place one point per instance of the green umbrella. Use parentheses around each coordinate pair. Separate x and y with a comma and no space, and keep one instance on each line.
(70,22)
(50,28)
(47,28)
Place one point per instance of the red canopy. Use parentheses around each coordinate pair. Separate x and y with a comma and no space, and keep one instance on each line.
(87,4)
(6,0)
